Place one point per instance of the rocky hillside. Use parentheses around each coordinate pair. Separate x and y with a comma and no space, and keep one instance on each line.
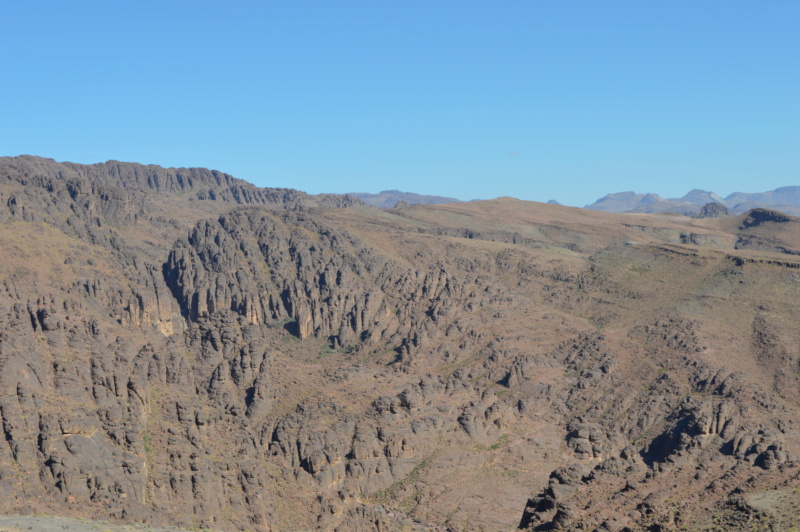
(178,347)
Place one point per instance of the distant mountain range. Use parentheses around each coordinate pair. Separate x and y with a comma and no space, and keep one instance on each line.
(389,198)
(785,199)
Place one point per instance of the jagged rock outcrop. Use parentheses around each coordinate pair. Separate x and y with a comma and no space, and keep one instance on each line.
(180,347)
(265,268)
(198,183)
(713,210)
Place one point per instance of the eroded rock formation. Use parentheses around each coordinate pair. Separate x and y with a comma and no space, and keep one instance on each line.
(178,346)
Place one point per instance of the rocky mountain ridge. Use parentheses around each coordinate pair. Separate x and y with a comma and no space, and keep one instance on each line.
(179,347)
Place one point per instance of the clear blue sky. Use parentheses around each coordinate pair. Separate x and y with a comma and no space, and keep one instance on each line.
(472,99)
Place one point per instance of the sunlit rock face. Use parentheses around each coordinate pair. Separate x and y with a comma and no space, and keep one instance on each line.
(179,347)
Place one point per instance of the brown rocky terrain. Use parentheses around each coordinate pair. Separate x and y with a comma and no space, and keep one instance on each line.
(179,347)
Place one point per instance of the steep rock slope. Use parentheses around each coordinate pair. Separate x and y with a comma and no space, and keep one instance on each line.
(289,364)
(197,183)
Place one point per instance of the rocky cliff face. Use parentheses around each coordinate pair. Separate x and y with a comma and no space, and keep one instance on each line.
(180,347)
(194,183)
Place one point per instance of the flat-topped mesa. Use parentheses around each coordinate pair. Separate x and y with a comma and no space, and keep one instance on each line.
(756,217)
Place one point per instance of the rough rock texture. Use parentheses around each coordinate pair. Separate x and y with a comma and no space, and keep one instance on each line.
(713,210)
(180,347)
